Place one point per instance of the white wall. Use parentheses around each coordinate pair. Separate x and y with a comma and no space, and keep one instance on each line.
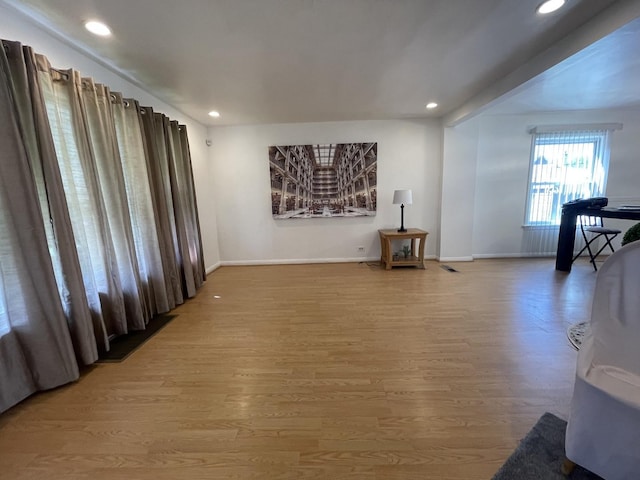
(459,160)
(469,182)
(14,27)
(408,157)
(503,168)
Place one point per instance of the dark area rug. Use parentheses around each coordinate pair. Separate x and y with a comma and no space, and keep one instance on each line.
(540,455)
(125,345)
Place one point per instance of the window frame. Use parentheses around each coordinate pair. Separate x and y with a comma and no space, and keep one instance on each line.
(555,135)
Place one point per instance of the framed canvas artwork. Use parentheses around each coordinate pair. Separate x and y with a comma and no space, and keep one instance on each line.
(323,180)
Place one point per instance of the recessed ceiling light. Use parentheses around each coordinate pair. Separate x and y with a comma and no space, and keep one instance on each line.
(431,105)
(214,114)
(98,28)
(550,6)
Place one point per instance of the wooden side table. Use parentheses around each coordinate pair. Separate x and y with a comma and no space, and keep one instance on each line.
(416,258)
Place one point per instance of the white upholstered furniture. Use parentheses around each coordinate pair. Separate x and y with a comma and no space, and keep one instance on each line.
(603,432)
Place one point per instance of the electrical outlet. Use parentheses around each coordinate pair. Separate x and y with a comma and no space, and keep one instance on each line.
(360,249)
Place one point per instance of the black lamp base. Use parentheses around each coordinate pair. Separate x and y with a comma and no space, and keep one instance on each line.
(402,229)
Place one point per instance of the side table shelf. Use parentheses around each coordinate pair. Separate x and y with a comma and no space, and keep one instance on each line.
(416,258)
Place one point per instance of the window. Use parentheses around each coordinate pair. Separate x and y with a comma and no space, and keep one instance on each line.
(565,165)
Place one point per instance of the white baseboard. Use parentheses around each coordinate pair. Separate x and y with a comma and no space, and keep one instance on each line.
(302,261)
(514,255)
(455,259)
(213,268)
(298,261)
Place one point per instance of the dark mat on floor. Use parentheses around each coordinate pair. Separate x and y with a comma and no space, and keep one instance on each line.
(540,455)
(125,345)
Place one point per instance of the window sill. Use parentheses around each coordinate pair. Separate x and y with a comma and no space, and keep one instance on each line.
(540,227)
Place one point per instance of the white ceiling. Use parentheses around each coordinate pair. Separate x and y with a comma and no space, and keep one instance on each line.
(284,61)
(604,75)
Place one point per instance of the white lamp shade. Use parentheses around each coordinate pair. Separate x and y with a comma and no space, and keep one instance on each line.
(402,197)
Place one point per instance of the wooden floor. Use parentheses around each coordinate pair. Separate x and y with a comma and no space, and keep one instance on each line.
(320,372)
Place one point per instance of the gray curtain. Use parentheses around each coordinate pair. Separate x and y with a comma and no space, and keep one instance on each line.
(157,149)
(139,186)
(84,197)
(35,342)
(97,208)
(39,146)
(187,251)
(95,105)
(192,222)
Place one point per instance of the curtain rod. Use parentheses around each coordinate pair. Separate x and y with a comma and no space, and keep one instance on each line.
(584,127)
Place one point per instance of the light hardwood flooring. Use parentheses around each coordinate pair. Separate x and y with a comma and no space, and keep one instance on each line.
(332,371)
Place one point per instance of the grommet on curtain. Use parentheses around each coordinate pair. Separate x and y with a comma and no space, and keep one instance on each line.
(61,73)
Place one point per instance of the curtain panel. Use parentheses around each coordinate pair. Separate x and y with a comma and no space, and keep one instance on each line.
(98,221)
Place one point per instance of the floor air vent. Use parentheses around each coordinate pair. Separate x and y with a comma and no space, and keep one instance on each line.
(448,268)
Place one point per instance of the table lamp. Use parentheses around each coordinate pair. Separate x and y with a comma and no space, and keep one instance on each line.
(402,197)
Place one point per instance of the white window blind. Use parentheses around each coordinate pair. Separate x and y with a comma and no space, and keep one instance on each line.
(566,163)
